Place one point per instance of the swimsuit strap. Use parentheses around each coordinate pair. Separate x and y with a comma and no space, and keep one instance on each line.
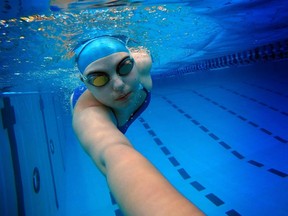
(137,113)
(76,94)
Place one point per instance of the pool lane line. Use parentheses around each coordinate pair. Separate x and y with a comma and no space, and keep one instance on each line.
(42,110)
(182,172)
(8,122)
(267,89)
(251,123)
(117,211)
(222,143)
(254,100)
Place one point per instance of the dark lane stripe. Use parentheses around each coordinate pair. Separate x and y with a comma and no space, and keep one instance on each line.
(214,199)
(8,118)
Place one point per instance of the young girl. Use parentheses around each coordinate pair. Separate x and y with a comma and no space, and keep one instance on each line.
(117,90)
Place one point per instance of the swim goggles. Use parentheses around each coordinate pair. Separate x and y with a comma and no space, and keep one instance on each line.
(100,79)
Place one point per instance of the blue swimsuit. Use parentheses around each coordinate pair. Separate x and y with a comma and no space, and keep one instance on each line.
(81,89)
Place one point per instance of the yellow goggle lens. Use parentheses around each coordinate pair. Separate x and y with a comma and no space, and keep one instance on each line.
(100,80)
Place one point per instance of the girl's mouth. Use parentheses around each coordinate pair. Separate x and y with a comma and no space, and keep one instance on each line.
(124,97)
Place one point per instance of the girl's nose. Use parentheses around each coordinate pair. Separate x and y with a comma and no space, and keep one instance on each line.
(118,83)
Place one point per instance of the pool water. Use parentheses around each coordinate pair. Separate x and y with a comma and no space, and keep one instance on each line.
(216,126)
(222,142)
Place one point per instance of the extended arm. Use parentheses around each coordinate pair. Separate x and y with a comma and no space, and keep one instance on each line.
(140,189)
(136,185)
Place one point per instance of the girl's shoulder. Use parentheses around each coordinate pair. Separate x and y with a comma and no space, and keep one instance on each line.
(143,59)
(82,98)
(143,63)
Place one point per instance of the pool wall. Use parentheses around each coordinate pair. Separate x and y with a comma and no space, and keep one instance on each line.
(32,166)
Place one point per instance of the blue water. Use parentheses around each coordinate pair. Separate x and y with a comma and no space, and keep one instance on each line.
(216,126)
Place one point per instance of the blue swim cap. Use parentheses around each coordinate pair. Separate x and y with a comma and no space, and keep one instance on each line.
(97,48)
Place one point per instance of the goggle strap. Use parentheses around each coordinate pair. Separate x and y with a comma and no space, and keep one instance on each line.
(84,78)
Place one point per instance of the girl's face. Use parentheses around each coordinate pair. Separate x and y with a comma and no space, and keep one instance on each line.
(113,80)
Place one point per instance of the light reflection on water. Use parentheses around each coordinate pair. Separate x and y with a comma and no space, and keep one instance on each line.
(36,50)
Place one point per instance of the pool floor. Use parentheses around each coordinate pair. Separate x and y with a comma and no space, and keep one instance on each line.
(219,137)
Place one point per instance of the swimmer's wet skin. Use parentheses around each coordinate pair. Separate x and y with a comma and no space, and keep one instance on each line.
(96,49)
(117,90)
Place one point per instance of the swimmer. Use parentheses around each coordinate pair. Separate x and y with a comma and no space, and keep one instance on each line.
(117,89)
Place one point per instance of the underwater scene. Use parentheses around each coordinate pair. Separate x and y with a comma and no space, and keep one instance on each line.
(216,126)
